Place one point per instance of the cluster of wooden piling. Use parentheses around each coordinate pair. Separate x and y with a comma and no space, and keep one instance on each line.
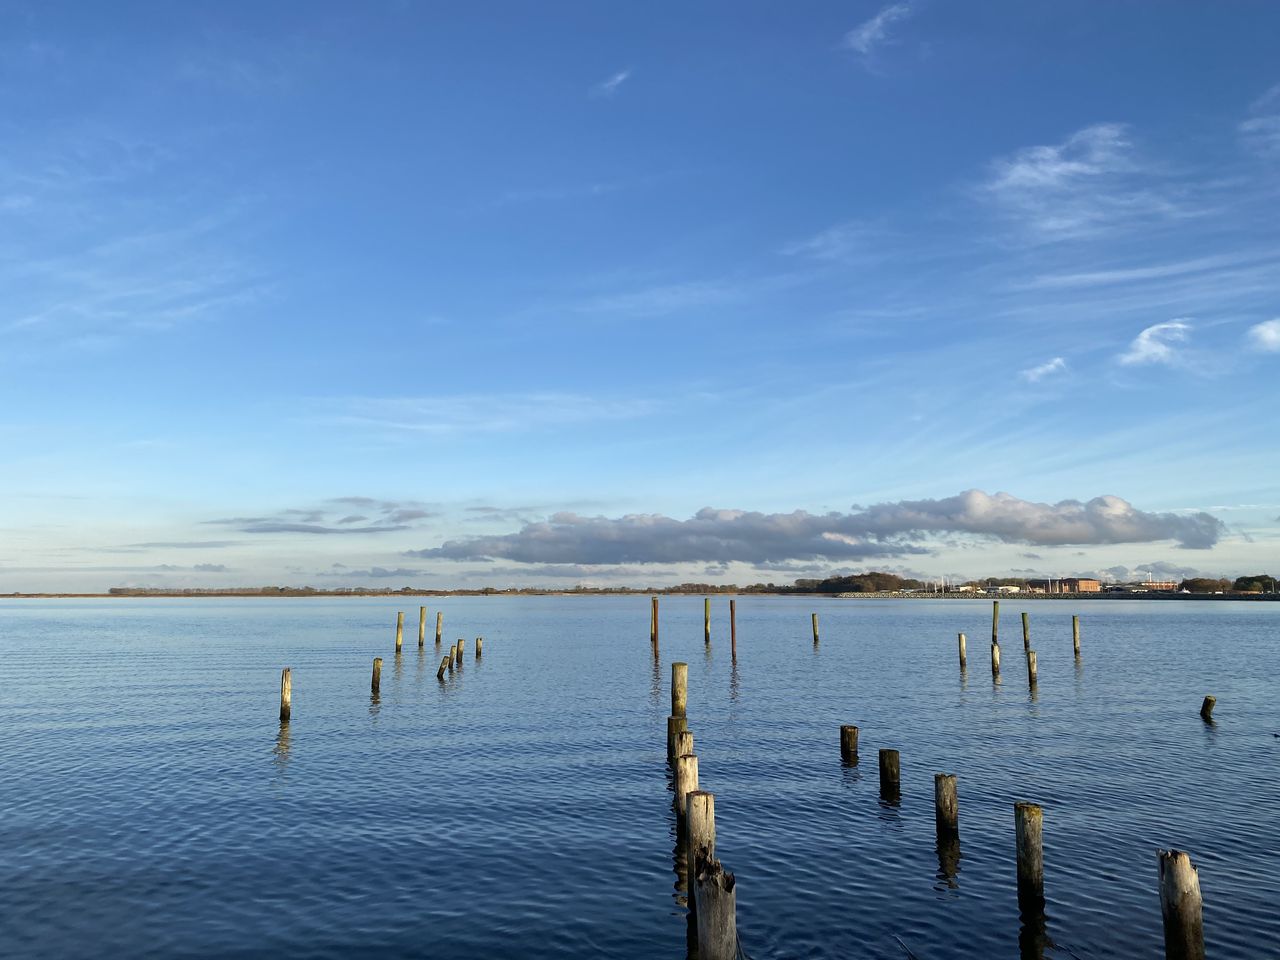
(451,660)
(711,890)
(1180,901)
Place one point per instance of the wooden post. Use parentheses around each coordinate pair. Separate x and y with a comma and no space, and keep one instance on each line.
(684,741)
(286,694)
(1029,823)
(653,625)
(995,659)
(675,726)
(450,656)
(1180,906)
(686,782)
(890,771)
(715,899)
(733,630)
(446,663)
(964,661)
(377,675)
(1075,635)
(1206,709)
(1026,630)
(849,744)
(439,625)
(706,620)
(457,654)
(815,629)
(399,630)
(679,689)
(995,623)
(479,647)
(946,804)
(700,829)
(422,627)
(1031,668)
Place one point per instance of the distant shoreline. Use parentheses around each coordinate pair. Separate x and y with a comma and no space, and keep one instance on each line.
(630,592)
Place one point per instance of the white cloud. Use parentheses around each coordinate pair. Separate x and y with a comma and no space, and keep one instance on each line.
(864,38)
(883,530)
(1090,182)
(1265,336)
(1261,132)
(607,88)
(1050,367)
(841,242)
(1157,343)
(476,413)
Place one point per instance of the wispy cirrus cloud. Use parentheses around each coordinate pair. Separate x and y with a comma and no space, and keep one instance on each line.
(1041,371)
(477,413)
(610,85)
(1090,182)
(1260,132)
(1265,336)
(870,35)
(842,242)
(894,529)
(1158,344)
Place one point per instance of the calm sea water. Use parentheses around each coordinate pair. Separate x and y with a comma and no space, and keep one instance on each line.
(152,805)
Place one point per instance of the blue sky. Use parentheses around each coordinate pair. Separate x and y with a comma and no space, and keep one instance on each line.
(456,294)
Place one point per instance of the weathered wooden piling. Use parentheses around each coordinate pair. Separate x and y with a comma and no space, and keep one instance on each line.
(422,627)
(439,625)
(1180,906)
(675,726)
(1206,709)
(1031,668)
(446,663)
(890,771)
(964,660)
(679,689)
(376,684)
(1026,630)
(815,629)
(995,659)
(715,900)
(1075,635)
(399,630)
(653,623)
(684,741)
(849,743)
(706,620)
(479,647)
(946,804)
(1029,824)
(995,622)
(699,828)
(686,781)
(286,694)
(457,652)
(733,630)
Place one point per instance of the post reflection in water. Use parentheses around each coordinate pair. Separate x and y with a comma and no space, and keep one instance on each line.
(421,670)
(1033,935)
(948,849)
(375,705)
(655,681)
(280,752)
(735,686)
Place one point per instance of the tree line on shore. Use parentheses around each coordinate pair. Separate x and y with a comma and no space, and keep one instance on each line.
(872,582)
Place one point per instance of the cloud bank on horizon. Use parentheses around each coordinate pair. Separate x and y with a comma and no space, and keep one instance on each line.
(883,530)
